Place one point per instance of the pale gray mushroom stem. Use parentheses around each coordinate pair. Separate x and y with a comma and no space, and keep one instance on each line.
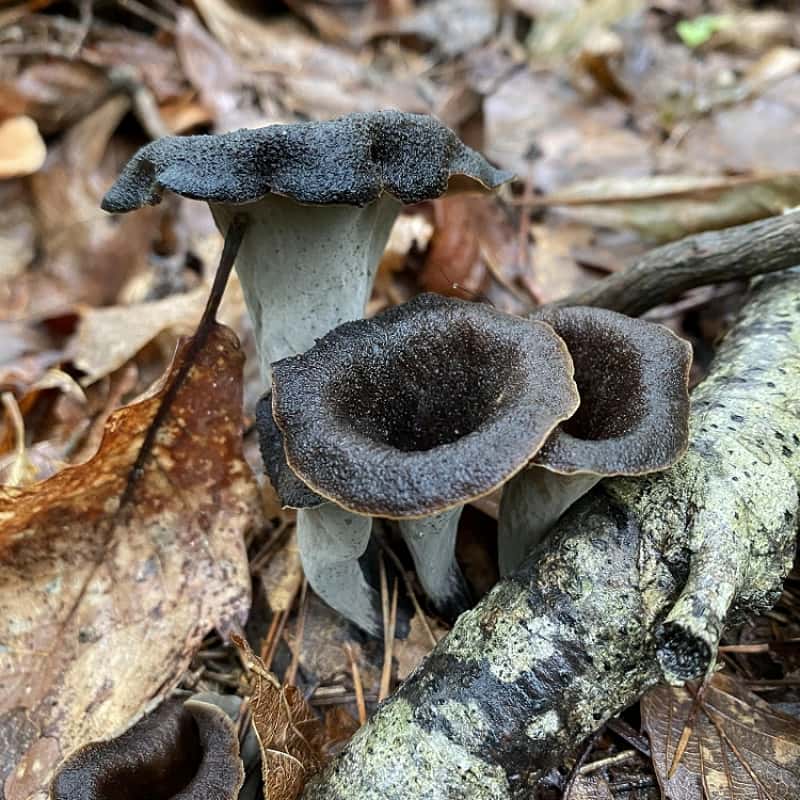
(432,544)
(306,269)
(532,502)
(331,540)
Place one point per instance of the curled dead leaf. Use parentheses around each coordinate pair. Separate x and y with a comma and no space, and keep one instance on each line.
(22,149)
(738,747)
(291,736)
(102,603)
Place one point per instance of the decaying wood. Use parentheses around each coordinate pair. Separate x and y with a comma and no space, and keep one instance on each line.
(632,588)
(664,274)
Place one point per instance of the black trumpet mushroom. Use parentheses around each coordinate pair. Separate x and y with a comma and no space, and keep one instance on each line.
(408,416)
(180,751)
(308,208)
(317,201)
(633,418)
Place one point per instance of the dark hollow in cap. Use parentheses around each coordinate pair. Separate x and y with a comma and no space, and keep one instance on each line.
(347,161)
(185,752)
(422,408)
(633,380)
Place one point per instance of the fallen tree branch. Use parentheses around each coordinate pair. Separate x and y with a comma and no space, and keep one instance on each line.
(632,587)
(664,274)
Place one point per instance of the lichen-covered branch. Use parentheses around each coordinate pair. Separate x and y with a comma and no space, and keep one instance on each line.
(633,586)
(664,274)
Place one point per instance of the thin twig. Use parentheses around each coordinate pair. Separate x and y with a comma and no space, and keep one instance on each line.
(665,273)
(389,626)
(357,684)
(291,673)
(409,588)
(586,750)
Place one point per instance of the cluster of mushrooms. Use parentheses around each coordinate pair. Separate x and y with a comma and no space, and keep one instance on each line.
(412,414)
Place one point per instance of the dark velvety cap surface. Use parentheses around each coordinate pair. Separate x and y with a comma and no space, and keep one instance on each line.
(422,408)
(293,493)
(184,752)
(633,379)
(347,161)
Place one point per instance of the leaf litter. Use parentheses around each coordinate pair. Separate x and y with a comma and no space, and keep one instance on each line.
(620,133)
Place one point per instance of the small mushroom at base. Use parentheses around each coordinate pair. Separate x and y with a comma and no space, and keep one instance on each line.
(185,751)
(633,418)
(408,416)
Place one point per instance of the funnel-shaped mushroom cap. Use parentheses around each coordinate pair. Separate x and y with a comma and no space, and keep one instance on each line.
(352,160)
(181,752)
(422,408)
(293,493)
(633,378)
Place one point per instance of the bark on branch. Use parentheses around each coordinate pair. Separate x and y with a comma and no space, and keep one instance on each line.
(662,275)
(632,587)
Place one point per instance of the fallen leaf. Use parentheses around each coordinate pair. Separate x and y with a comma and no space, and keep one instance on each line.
(322,648)
(556,272)
(84,254)
(107,338)
(408,232)
(56,92)
(102,606)
(411,651)
(538,126)
(282,576)
(22,149)
(453,26)
(453,264)
(740,747)
(17,231)
(667,207)
(562,32)
(291,736)
(213,72)
(760,134)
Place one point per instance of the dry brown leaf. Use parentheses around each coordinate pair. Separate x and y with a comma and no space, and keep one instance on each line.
(667,207)
(760,134)
(453,264)
(84,253)
(453,26)
(539,127)
(107,338)
(410,652)
(282,576)
(22,149)
(17,232)
(556,272)
(101,607)
(740,748)
(56,92)
(291,736)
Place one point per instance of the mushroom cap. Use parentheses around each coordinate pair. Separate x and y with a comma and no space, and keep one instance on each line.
(181,751)
(633,379)
(293,493)
(422,408)
(347,161)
